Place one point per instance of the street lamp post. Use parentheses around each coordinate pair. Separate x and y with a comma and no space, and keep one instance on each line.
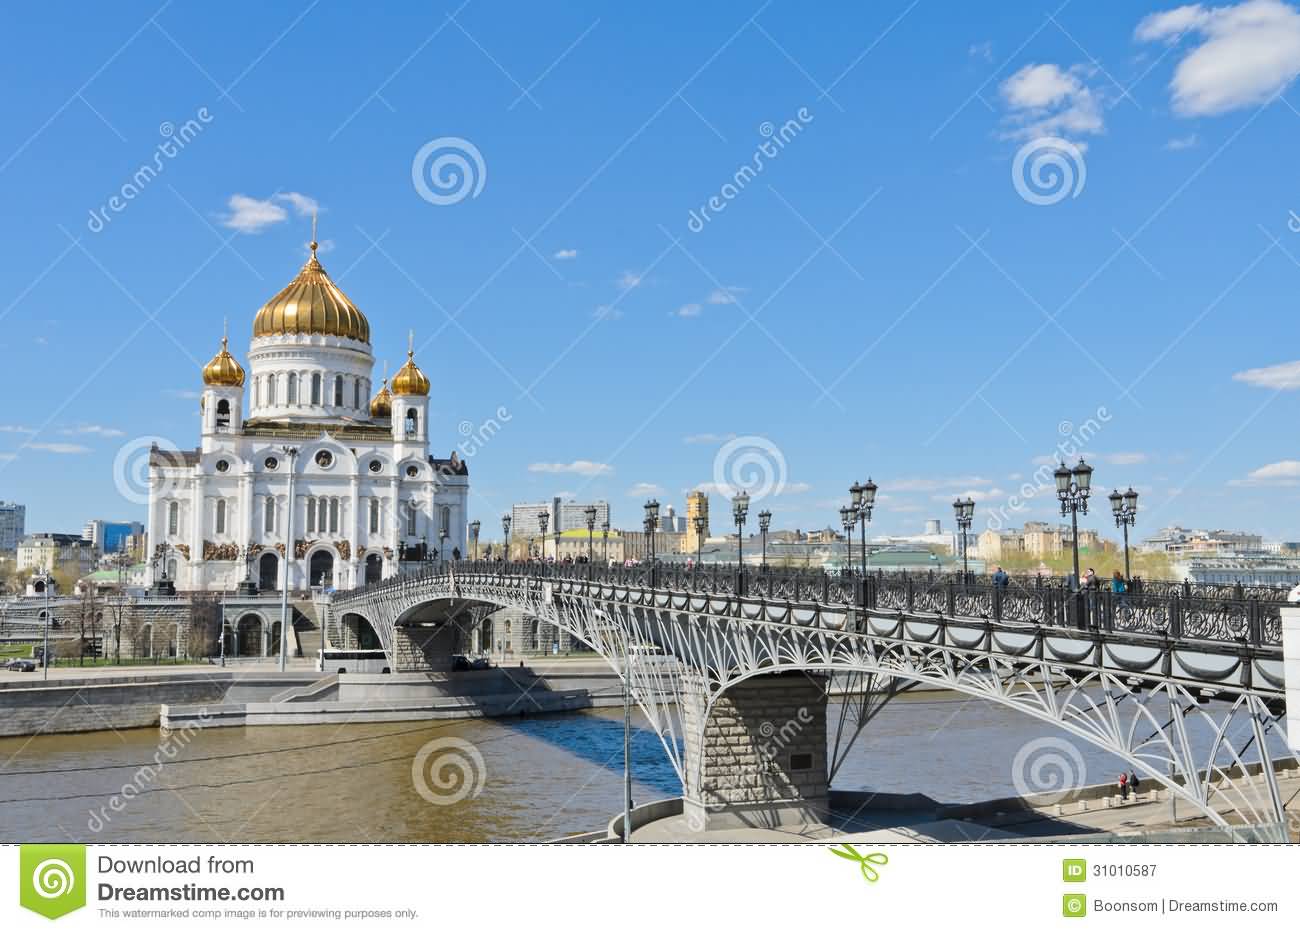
(1124,505)
(864,500)
(543,522)
(699,522)
(965,510)
(849,519)
(739,510)
(443,535)
(505,530)
(1073,486)
(604,534)
(590,514)
(474,528)
(651,526)
(764,523)
(291,454)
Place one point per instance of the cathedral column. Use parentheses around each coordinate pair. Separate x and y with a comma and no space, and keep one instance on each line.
(396,530)
(355,534)
(194,566)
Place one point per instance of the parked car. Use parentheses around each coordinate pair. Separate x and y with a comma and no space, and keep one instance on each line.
(26,665)
(459,663)
(480,664)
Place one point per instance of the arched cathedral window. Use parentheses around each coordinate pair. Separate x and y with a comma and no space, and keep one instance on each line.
(293,389)
(338,391)
(315,388)
(173,518)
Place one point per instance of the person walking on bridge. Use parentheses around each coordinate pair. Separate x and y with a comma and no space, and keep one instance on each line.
(1000,579)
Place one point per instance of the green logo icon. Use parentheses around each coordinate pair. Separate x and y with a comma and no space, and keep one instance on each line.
(1074,905)
(1074,869)
(52,879)
(865,862)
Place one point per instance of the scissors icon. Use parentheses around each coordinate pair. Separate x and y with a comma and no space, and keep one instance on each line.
(865,862)
(1294,222)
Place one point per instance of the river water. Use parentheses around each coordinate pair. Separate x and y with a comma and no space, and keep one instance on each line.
(537,778)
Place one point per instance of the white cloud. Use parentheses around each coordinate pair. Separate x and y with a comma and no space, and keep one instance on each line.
(1282,473)
(56,447)
(5,458)
(1281,376)
(628,281)
(713,489)
(645,489)
(1249,52)
(976,494)
(183,393)
(581,467)
(795,489)
(982,50)
(16,429)
(724,296)
(1180,143)
(565,254)
(1126,458)
(97,429)
(253,215)
(919,484)
(708,438)
(688,310)
(1047,100)
(607,313)
(302,205)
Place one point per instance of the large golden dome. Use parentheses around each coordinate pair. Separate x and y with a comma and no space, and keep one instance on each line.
(223,369)
(381,406)
(312,304)
(409,380)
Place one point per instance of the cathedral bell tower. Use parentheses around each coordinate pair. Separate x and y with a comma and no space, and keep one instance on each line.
(222,401)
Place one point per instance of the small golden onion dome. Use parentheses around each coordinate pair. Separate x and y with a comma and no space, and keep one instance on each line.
(381,406)
(409,380)
(223,369)
(312,304)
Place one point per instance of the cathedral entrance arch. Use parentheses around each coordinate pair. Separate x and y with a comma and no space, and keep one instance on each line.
(268,572)
(321,569)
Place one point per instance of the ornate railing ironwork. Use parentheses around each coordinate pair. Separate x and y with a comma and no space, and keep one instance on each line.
(1174,612)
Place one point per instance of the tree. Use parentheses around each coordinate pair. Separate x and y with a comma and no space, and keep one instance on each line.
(133,626)
(204,628)
(88,618)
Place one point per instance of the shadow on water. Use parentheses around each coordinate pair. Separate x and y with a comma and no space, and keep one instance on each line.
(597,737)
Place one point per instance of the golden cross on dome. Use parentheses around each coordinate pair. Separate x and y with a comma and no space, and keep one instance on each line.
(314,244)
(410,344)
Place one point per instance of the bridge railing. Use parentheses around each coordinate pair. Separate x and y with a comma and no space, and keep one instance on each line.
(1175,611)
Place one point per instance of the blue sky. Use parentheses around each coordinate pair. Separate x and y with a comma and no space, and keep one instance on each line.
(881,298)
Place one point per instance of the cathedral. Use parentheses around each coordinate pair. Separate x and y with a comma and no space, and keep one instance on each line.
(302,478)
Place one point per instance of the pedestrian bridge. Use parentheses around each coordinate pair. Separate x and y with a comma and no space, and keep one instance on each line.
(733,668)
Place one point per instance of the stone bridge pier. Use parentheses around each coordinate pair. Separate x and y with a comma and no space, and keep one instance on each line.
(758,756)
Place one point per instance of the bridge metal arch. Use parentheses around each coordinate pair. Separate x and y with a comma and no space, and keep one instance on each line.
(710,642)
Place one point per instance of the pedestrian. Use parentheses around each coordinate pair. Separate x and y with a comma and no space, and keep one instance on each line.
(1090,579)
(1134,783)
(1123,785)
(1000,579)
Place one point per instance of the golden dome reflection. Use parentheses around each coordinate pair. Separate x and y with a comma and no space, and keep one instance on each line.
(223,369)
(312,304)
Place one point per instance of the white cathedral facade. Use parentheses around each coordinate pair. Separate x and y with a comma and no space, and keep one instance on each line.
(301,477)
